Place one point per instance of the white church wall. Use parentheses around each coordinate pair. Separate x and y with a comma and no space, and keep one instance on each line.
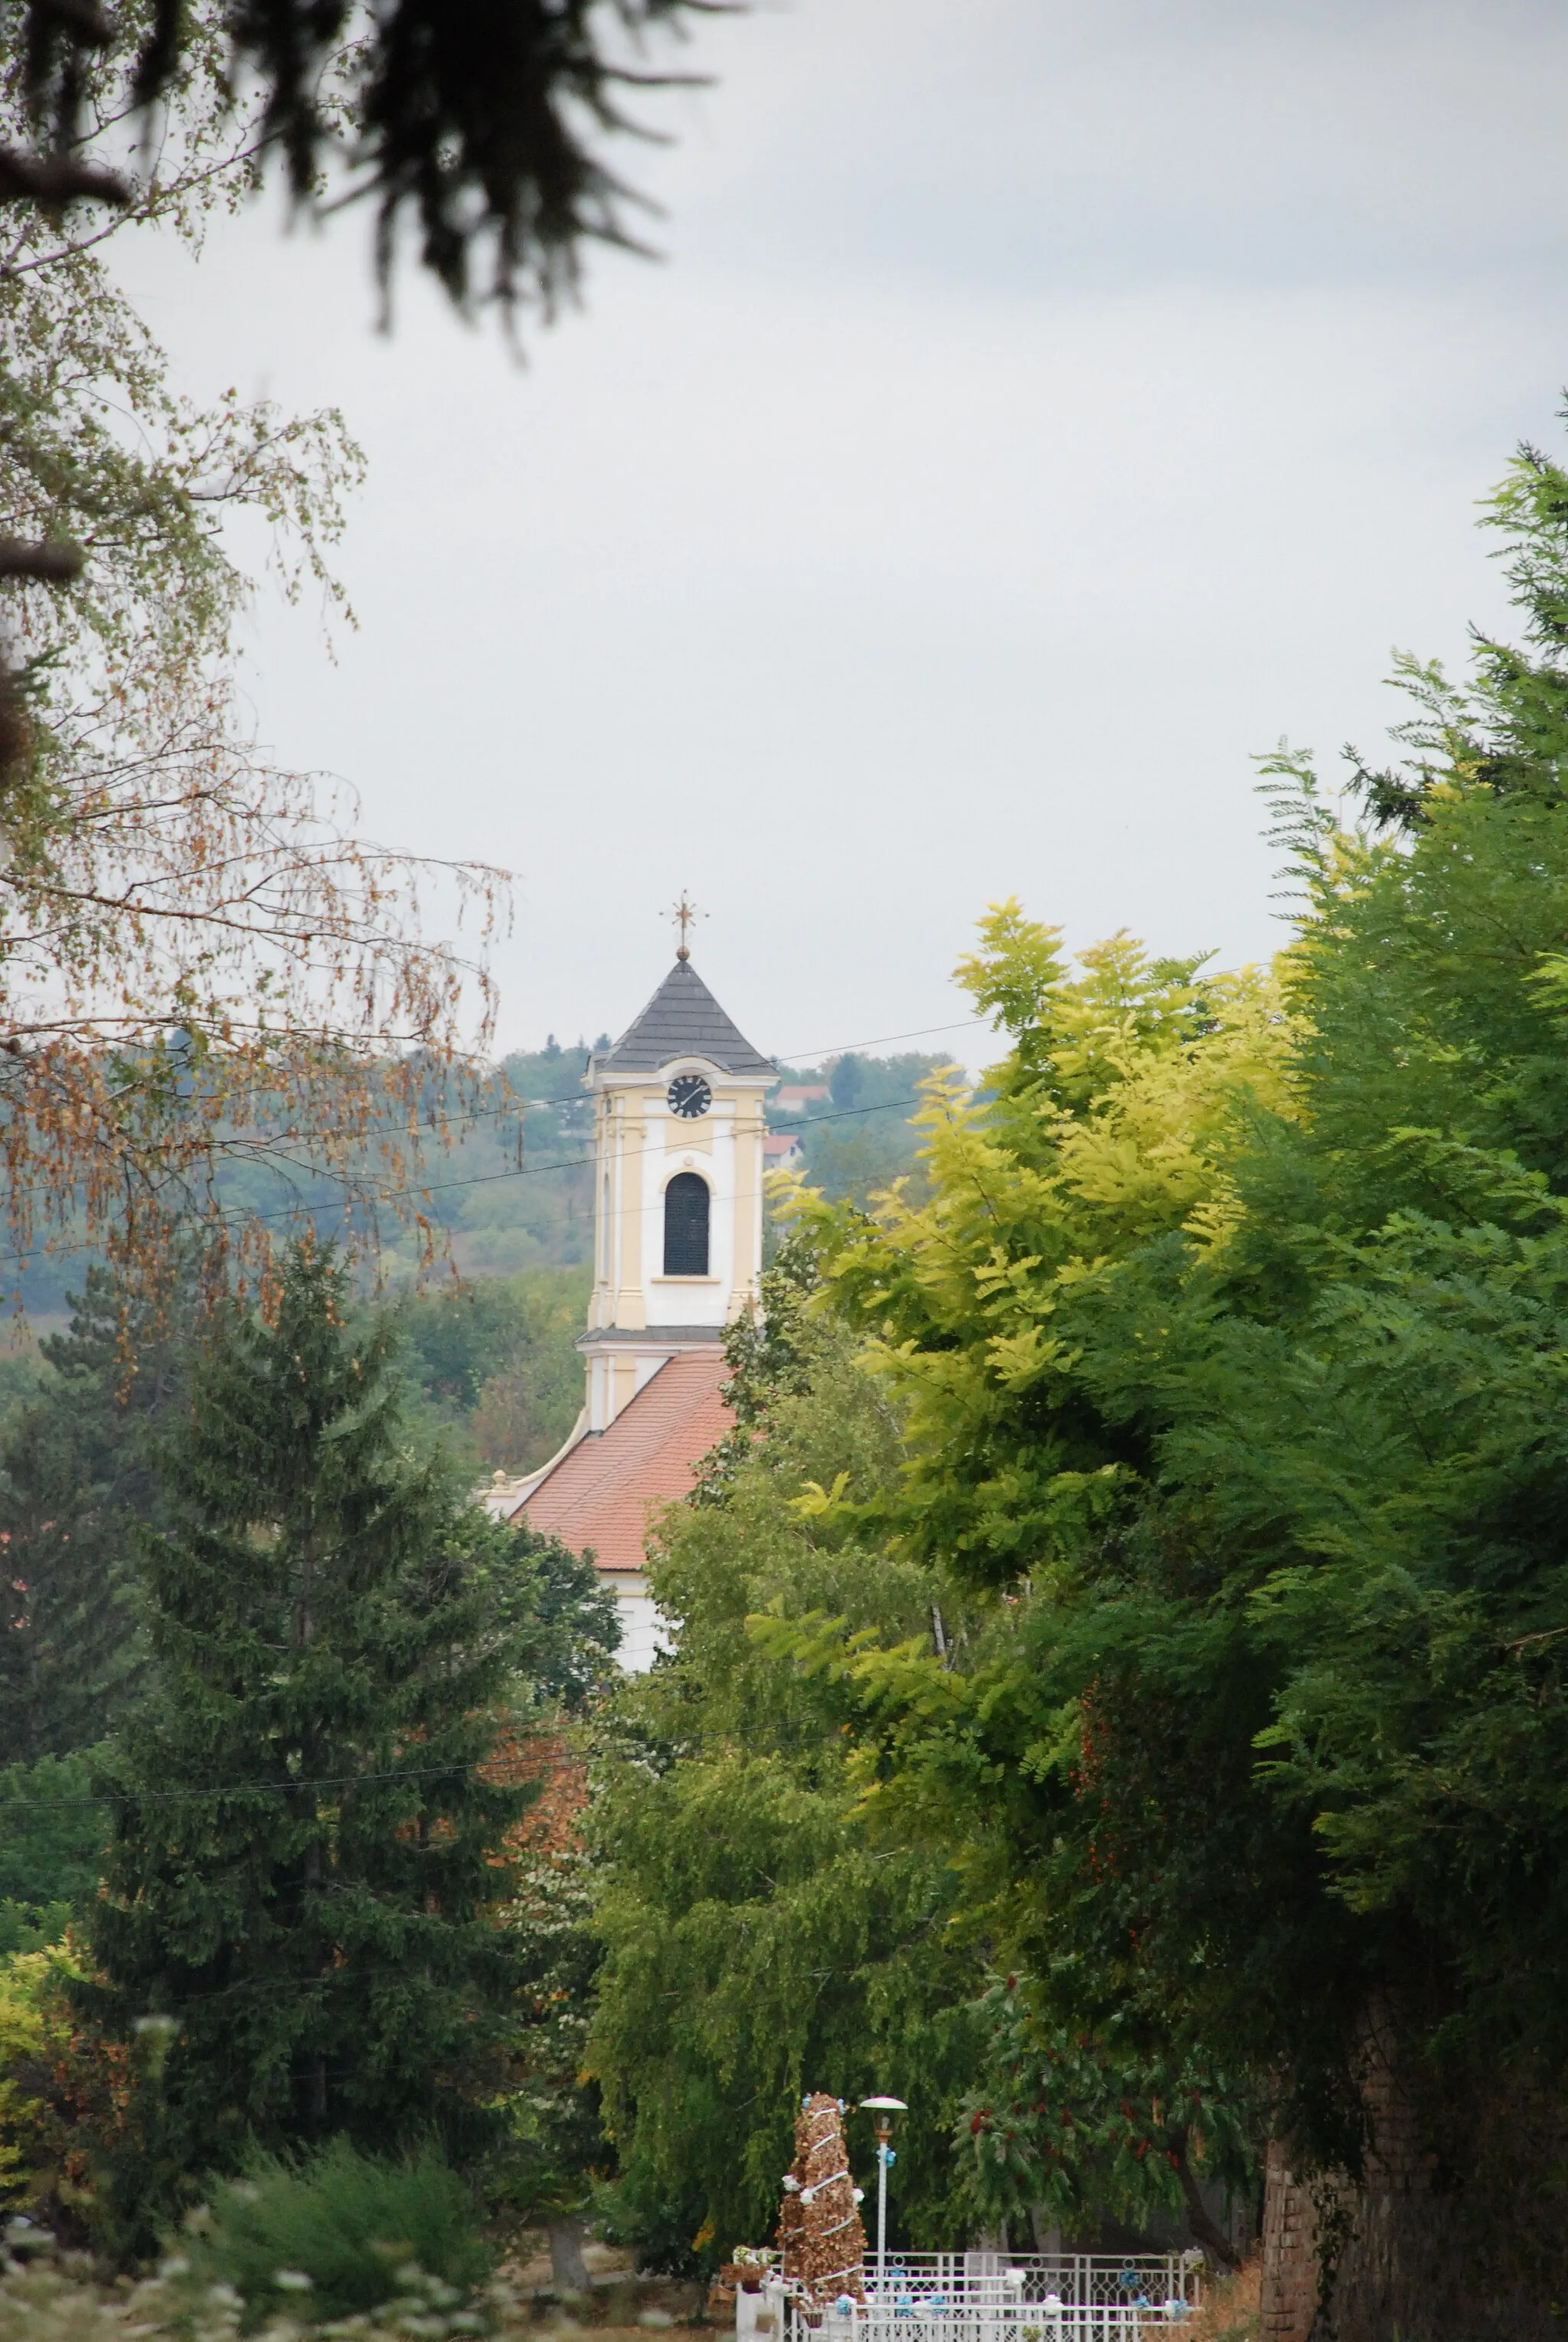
(643,1633)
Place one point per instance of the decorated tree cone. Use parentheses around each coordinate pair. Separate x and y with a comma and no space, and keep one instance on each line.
(792,2224)
(819,2224)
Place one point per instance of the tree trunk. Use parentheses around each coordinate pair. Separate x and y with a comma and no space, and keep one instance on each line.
(566,2262)
(1222,2253)
(1047,2234)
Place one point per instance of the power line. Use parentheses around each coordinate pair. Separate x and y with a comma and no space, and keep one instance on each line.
(922,1032)
(520,1103)
(333,1976)
(248,1789)
(263,1155)
(447,1187)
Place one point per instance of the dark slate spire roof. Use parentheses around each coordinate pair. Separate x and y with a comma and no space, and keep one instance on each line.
(683,1020)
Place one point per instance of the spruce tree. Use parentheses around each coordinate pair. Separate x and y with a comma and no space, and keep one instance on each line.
(76,1475)
(306,1850)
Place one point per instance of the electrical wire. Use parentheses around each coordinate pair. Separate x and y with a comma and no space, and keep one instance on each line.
(250,1788)
(447,1187)
(845,1048)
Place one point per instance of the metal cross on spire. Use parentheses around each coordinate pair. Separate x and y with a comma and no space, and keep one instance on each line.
(685,914)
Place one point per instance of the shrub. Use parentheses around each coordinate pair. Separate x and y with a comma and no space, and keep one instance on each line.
(65,2094)
(348,2224)
(25,1980)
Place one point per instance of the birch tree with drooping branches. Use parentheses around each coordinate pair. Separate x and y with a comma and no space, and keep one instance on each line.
(203,962)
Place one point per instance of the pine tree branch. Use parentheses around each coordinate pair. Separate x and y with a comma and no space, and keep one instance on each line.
(54,180)
(54,563)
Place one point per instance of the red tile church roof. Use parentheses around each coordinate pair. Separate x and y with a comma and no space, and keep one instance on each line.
(605,1491)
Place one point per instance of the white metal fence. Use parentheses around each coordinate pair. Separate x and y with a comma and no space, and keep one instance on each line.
(992,2297)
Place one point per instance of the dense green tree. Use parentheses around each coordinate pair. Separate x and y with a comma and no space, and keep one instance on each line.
(496,1362)
(555,2152)
(847,1080)
(1231,1345)
(550,1075)
(757,1942)
(307,1848)
(567,1623)
(1075,2129)
(52,1831)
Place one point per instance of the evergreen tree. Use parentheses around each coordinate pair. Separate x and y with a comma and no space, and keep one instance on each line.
(76,1476)
(307,1851)
(489,124)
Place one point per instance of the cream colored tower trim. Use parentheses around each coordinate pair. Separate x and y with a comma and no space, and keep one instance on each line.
(634,1136)
(749,1133)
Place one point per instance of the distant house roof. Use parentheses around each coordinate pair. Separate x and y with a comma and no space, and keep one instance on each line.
(597,1337)
(683,1020)
(776,1144)
(801,1090)
(604,1492)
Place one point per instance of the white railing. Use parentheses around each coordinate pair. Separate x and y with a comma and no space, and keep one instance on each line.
(1079,2279)
(989,2297)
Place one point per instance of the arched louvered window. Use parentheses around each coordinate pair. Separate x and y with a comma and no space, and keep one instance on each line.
(686,1225)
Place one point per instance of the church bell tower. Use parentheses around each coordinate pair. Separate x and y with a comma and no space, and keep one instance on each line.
(678,1188)
(678,1247)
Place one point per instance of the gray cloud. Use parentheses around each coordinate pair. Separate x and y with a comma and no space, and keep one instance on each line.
(1040,409)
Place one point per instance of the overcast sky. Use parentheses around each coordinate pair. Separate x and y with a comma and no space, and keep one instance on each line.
(1043,406)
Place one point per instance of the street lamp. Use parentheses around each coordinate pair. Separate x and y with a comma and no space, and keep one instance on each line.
(884,2109)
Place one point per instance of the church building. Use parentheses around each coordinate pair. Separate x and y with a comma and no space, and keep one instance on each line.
(678,1171)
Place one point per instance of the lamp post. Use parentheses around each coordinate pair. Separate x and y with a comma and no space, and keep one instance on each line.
(884,2109)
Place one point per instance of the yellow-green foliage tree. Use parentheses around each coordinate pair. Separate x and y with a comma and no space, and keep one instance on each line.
(26,1978)
(64,2092)
(1109,1129)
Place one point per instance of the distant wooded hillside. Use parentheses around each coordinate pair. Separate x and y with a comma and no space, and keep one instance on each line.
(860,1136)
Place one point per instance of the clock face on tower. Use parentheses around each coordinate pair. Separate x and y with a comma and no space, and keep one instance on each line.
(689,1096)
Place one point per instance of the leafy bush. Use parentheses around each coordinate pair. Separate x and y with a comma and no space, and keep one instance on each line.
(64,2094)
(25,1985)
(349,2225)
(43,2305)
